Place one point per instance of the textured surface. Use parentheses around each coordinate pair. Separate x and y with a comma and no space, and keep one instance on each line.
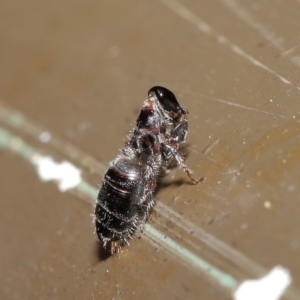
(81,71)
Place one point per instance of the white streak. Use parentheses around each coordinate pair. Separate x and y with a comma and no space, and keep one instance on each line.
(241,106)
(270,287)
(269,35)
(263,30)
(186,14)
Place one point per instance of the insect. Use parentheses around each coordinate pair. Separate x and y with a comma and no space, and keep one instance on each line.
(126,196)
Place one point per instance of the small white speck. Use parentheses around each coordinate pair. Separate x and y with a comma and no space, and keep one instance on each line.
(66,219)
(267,204)
(83,126)
(114,51)
(295,244)
(291,188)
(296,60)
(244,226)
(45,137)
(271,100)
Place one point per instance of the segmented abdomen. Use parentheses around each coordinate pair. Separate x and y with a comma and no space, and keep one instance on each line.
(119,207)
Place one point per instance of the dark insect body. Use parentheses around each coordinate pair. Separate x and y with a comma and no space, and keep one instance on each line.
(126,196)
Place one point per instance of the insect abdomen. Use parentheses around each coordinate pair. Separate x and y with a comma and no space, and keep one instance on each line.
(117,211)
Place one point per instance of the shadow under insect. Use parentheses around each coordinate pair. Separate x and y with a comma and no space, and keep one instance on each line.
(102,253)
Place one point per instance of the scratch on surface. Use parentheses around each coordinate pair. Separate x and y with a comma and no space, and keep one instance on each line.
(240,106)
(275,40)
(48,169)
(246,17)
(290,50)
(19,121)
(193,150)
(210,146)
(186,14)
(234,256)
(88,193)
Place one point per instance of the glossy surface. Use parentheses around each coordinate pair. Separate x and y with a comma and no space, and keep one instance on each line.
(78,71)
(166,98)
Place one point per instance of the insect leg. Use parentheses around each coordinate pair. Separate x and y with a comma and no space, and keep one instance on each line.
(180,161)
(180,131)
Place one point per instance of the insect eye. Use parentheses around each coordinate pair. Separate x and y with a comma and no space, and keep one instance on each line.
(166,98)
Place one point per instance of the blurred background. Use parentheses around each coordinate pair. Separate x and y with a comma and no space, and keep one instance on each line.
(74,75)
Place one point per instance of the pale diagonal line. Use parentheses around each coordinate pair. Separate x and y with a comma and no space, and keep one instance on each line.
(189,16)
(263,30)
(241,106)
(88,193)
(17,145)
(19,121)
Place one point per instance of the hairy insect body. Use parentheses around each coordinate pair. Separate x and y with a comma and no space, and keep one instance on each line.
(126,196)
(118,208)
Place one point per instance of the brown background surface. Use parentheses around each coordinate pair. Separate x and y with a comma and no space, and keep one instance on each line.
(81,69)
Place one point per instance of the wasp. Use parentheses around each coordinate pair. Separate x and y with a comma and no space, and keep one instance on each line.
(125,199)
